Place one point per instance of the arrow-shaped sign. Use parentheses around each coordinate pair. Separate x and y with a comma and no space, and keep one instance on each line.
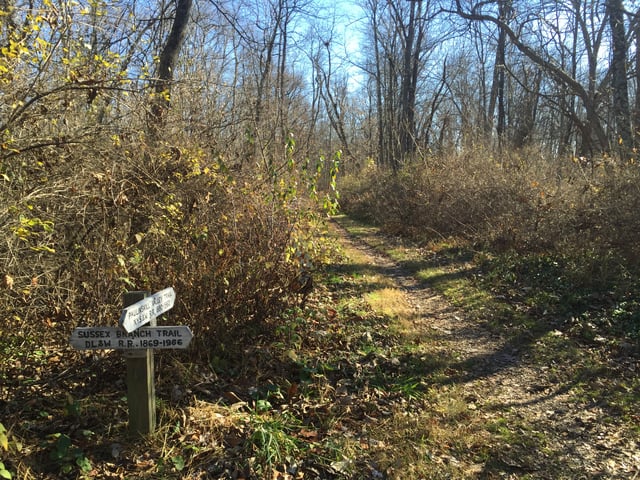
(142,312)
(105,338)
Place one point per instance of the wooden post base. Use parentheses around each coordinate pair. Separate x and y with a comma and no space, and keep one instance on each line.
(141,395)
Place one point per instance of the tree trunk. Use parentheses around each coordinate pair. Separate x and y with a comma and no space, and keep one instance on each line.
(382,154)
(636,113)
(497,87)
(166,66)
(411,65)
(619,85)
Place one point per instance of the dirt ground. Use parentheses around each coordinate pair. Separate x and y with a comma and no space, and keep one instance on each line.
(501,381)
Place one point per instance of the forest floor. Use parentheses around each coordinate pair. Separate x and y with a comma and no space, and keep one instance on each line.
(528,393)
(397,367)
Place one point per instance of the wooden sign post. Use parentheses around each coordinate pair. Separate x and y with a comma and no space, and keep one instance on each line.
(141,391)
(137,343)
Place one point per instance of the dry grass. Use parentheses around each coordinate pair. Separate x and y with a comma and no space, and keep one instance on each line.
(391,302)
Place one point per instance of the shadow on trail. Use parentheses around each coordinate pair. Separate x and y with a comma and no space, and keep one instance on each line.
(512,345)
(509,352)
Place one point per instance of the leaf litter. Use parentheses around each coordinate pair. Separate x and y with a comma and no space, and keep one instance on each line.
(379,376)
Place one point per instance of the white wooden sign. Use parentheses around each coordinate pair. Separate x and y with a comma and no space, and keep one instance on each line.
(115,338)
(142,312)
(138,344)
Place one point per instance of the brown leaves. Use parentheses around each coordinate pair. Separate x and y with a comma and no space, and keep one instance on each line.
(7,282)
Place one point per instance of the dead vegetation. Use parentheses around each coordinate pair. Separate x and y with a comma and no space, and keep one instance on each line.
(522,202)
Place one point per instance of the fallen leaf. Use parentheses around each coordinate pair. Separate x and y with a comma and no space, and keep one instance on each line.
(308,434)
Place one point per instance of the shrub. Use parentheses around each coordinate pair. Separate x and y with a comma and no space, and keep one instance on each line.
(121,215)
(523,202)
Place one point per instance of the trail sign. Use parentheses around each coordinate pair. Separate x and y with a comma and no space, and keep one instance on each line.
(115,338)
(142,312)
(138,344)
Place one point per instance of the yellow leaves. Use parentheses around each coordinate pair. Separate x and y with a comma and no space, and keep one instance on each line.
(7,147)
(195,167)
(4,439)
(103,61)
(35,232)
(42,43)
(43,248)
(13,50)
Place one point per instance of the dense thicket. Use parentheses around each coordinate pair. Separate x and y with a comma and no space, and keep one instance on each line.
(526,205)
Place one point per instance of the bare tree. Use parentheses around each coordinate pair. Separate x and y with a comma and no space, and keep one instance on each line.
(167,63)
(334,95)
(400,46)
(620,90)
(542,39)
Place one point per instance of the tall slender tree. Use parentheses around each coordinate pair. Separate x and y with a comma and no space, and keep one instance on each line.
(619,86)
(167,63)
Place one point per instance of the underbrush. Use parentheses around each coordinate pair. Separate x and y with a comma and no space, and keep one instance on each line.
(347,387)
(522,202)
(330,391)
(593,296)
(549,243)
(82,226)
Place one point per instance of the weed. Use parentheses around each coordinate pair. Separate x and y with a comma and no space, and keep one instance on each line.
(4,446)
(410,388)
(4,473)
(66,455)
(271,440)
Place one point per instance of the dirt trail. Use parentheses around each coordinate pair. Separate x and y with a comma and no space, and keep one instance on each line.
(500,381)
